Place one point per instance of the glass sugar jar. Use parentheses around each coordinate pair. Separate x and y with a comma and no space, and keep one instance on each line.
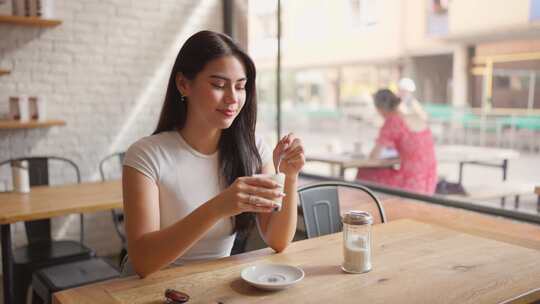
(357,242)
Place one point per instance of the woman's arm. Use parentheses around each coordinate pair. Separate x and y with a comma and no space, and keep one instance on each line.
(376,151)
(278,228)
(418,110)
(150,248)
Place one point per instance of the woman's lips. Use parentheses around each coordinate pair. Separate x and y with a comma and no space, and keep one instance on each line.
(228,113)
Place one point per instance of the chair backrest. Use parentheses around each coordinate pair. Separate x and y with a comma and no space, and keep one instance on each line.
(103,163)
(320,206)
(38,171)
(117,216)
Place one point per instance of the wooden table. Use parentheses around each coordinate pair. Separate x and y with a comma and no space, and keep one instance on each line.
(473,155)
(350,160)
(483,156)
(470,222)
(413,263)
(49,201)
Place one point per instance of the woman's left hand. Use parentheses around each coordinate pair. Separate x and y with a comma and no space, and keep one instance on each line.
(289,155)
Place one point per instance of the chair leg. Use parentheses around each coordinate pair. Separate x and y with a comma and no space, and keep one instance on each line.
(123,254)
(36,299)
(21,280)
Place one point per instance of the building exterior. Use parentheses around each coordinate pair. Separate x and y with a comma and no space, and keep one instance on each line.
(479,54)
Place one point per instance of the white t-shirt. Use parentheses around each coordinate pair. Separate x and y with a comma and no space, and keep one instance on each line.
(186,179)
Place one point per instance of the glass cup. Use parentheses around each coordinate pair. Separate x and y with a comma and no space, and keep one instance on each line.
(279,178)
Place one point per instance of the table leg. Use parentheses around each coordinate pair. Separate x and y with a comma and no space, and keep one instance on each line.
(460,178)
(342,172)
(505,168)
(7,266)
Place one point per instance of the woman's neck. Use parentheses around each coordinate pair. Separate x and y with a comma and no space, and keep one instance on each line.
(203,141)
(387,114)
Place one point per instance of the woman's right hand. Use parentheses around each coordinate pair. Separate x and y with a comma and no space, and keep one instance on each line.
(248,194)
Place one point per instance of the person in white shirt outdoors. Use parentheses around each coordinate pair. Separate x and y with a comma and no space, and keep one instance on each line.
(189,188)
(409,104)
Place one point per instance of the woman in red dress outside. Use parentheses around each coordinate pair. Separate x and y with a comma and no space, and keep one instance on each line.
(412,139)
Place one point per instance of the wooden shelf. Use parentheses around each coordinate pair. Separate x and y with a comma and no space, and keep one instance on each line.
(32,124)
(29,21)
(4,72)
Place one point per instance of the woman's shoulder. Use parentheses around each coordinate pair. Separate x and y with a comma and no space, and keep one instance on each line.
(148,154)
(394,119)
(153,143)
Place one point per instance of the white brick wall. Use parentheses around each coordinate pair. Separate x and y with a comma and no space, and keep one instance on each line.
(104,72)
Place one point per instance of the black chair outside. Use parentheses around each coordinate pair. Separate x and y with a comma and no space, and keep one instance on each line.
(42,251)
(117,215)
(320,206)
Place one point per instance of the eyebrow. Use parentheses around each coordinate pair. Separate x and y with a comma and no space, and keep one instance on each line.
(227,79)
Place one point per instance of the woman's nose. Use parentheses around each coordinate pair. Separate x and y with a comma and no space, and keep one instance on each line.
(231,96)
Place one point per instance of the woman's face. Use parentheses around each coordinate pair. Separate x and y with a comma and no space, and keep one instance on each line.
(217,94)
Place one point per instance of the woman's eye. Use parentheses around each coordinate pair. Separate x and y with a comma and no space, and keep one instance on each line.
(218,86)
(241,88)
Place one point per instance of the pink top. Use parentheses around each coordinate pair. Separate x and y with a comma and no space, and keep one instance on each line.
(418,165)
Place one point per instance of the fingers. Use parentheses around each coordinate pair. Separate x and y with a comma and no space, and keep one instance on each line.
(270,194)
(293,150)
(253,203)
(253,208)
(259,181)
(293,153)
(284,143)
(282,146)
(288,139)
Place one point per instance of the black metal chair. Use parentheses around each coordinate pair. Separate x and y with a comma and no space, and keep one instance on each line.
(320,206)
(47,281)
(42,251)
(117,215)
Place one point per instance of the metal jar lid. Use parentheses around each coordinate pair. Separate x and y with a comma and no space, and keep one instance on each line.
(355,217)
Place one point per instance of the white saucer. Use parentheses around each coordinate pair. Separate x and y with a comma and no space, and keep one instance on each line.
(272,276)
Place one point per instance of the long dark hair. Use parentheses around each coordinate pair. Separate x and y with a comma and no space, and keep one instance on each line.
(238,153)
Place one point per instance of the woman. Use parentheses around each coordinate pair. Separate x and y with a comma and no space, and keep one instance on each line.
(412,139)
(188,188)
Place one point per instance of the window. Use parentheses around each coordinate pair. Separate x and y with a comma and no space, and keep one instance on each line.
(535,10)
(363,12)
(437,17)
(439,7)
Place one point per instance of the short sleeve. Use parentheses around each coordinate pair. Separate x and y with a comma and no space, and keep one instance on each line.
(141,157)
(264,151)
(390,132)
